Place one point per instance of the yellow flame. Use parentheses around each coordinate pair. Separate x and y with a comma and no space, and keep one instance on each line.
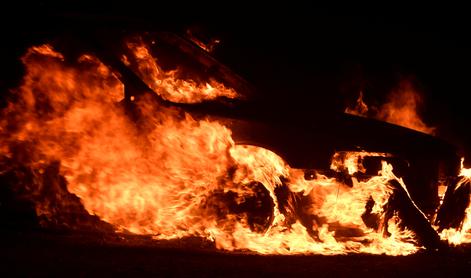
(462,234)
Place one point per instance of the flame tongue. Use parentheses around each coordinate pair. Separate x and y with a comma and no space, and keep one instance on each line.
(171,176)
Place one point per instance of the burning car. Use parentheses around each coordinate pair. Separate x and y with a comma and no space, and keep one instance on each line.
(146,133)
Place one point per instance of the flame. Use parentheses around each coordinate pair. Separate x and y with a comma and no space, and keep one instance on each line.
(461,234)
(465,172)
(164,173)
(400,109)
(360,108)
(352,161)
(167,84)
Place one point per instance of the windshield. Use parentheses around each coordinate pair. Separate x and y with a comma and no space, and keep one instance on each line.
(179,71)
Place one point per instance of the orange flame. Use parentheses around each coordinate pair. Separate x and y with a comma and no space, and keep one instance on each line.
(167,84)
(462,234)
(401,109)
(351,161)
(171,176)
(360,108)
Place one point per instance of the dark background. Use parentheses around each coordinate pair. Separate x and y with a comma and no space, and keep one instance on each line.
(300,57)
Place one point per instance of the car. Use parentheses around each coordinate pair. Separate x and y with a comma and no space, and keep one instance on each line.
(275,157)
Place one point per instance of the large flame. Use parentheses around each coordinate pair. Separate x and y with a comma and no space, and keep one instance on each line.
(164,173)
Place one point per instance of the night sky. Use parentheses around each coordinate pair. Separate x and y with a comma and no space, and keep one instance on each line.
(301,56)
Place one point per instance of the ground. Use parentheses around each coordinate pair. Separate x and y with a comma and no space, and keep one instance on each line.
(69,254)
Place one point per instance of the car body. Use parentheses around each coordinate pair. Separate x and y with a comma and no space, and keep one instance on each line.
(303,137)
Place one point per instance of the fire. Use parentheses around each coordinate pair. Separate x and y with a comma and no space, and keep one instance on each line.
(461,234)
(166,174)
(400,109)
(465,172)
(167,83)
(351,161)
(360,108)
